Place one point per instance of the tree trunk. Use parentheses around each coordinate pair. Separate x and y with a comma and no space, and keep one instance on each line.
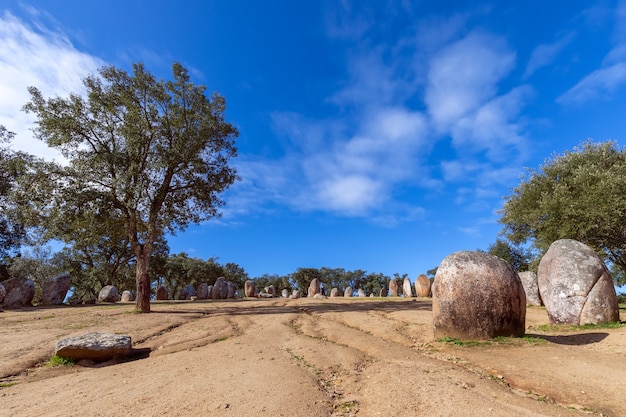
(143,280)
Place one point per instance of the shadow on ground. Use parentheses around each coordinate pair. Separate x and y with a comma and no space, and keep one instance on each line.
(579,339)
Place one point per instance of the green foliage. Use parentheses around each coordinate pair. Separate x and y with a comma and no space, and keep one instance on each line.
(279,282)
(37,264)
(177,271)
(146,157)
(514,255)
(338,278)
(432,272)
(11,231)
(578,195)
(59,361)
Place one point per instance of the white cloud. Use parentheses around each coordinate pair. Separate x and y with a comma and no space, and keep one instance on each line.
(545,54)
(354,163)
(600,83)
(464,75)
(346,174)
(494,127)
(611,76)
(36,56)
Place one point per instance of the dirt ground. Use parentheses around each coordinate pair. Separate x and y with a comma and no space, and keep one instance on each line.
(334,357)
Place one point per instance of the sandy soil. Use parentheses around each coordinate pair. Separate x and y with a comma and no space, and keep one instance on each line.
(334,357)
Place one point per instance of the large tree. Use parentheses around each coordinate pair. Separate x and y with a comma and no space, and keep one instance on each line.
(153,153)
(11,231)
(578,195)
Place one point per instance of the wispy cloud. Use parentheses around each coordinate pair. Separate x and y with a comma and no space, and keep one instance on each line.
(605,81)
(600,83)
(32,55)
(400,99)
(390,116)
(544,54)
(464,75)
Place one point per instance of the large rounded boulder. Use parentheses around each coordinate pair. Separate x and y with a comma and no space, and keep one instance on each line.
(394,287)
(407,291)
(19,292)
(477,296)
(55,289)
(314,287)
(162,293)
(575,285)
(422,286)
(249,289)
(108,294)
(220,289)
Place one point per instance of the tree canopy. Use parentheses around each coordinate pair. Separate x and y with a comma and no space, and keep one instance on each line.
(578,195)
(518,257)
(11,231)
(145,156)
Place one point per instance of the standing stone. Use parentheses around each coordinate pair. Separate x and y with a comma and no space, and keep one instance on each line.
(295,294)
(477,296)
(127,296)
(187,292)
(97,347)
(3,294)
(271,291)
(383,292)
(314,288)
(19,292)
(422,286)
(334,293)
(108,294)
(361,293)
(406,288)
(348,292)
(531,288)
(232,289)
(285,293)
(220,289)
(249,289)
(393,287)
(55,289)
(162,293)
(203,291)
(575,285)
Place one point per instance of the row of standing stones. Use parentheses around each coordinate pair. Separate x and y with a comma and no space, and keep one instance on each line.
(422,289)
(475,295)
(221,290)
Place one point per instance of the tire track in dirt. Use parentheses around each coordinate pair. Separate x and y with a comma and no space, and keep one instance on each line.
(392,357)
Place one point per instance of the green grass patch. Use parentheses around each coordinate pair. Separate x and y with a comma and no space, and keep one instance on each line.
(348,407)
(59,361)
(7,384)
(498,340)
(531,340)
(546,328)
(465,343)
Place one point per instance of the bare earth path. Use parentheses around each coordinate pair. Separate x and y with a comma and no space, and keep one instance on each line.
(335,357)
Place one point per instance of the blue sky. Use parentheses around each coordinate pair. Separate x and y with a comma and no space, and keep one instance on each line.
(377,135)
